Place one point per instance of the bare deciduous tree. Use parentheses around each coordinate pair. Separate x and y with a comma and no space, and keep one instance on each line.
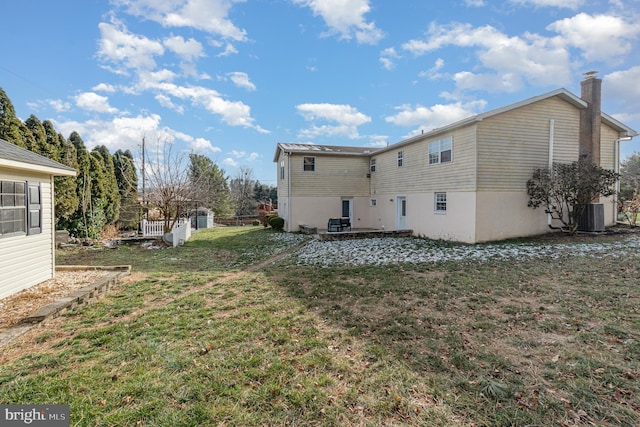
(169,186)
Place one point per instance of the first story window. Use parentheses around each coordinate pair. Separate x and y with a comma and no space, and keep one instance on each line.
(372,166)
(440,150)
(309,164)
(400,158)
(373,202)
(440,202)
(13,207)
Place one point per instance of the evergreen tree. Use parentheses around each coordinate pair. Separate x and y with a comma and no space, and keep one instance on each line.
(109,184)
(54,145)
(210,185)
(127,179)
(66,191)
(11,127)
(39,141)
(83,186)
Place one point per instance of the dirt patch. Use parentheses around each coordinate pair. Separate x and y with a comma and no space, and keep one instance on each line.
(16,307)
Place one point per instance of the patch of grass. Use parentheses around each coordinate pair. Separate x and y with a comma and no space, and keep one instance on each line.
(195,341)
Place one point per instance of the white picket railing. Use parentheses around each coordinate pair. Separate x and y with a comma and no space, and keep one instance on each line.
(152,228)
(180,233)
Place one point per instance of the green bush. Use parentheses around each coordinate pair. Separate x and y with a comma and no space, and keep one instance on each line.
(276,222)
(256,222)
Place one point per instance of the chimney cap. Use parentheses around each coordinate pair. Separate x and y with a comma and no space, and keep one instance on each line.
(590,75)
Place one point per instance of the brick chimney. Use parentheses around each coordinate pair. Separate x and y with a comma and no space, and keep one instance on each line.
(591,117)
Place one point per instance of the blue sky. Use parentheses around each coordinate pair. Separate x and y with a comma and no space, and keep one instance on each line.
(230,79)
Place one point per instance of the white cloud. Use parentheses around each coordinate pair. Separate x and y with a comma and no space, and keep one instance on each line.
(59,105)
(120,133)
(599,37)
(206,15)
(166,102)
(346,18)
(510,61)
(569,4)
(253,156)
(621,88)
(91,101)
(474,3)
(433,73)
(241,80)
(436,116)
(104,87)
(233,113)
(387,57)
(129,50)
(188,50)
(347,118)
(230,162)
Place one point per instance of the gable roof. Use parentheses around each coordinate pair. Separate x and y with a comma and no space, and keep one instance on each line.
(14,157)
(562,93)
(312,149)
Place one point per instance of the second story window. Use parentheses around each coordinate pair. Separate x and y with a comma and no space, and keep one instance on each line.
(400,158)
(440,151)
(309,164)
(281,169)
(372,167)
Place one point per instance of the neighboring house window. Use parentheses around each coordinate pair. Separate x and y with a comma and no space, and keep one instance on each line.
(440,202)
(372,167)
(13,207)
(281,169)
(400,158)
(440,151)
(309,164)
(373,202)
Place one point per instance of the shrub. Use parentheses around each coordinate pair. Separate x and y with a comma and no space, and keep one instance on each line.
(276,222)
(256,222)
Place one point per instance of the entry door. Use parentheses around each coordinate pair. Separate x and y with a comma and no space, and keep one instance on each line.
(401,213)
(347,209)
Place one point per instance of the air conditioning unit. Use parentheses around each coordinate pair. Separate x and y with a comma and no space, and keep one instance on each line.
(592,218)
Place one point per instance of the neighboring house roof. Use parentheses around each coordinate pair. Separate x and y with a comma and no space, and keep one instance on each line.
(562,93)
(14,157)
(322,149)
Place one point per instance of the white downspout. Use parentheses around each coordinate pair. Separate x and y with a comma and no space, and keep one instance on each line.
(616,169)
(551,133)
(288,156)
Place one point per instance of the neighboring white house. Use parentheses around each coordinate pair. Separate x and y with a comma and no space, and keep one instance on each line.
(463,182)
(27,232)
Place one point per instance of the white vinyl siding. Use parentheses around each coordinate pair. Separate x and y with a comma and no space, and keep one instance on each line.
(511,145)
(335,175)
(26,260)
(417,176)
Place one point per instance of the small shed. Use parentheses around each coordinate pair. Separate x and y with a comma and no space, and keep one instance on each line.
(27,232)
(201,218)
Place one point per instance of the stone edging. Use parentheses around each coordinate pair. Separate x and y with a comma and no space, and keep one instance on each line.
(80,297)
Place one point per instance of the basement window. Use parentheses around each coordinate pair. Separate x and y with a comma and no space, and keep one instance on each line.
(440,203)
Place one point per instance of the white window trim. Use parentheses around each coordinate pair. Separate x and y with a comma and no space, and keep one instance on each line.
(373,202)
(435,203)
(439,151)
(373,165)
(314,164)
(400,159)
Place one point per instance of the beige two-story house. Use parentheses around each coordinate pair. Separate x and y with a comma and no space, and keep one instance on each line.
(463,182)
